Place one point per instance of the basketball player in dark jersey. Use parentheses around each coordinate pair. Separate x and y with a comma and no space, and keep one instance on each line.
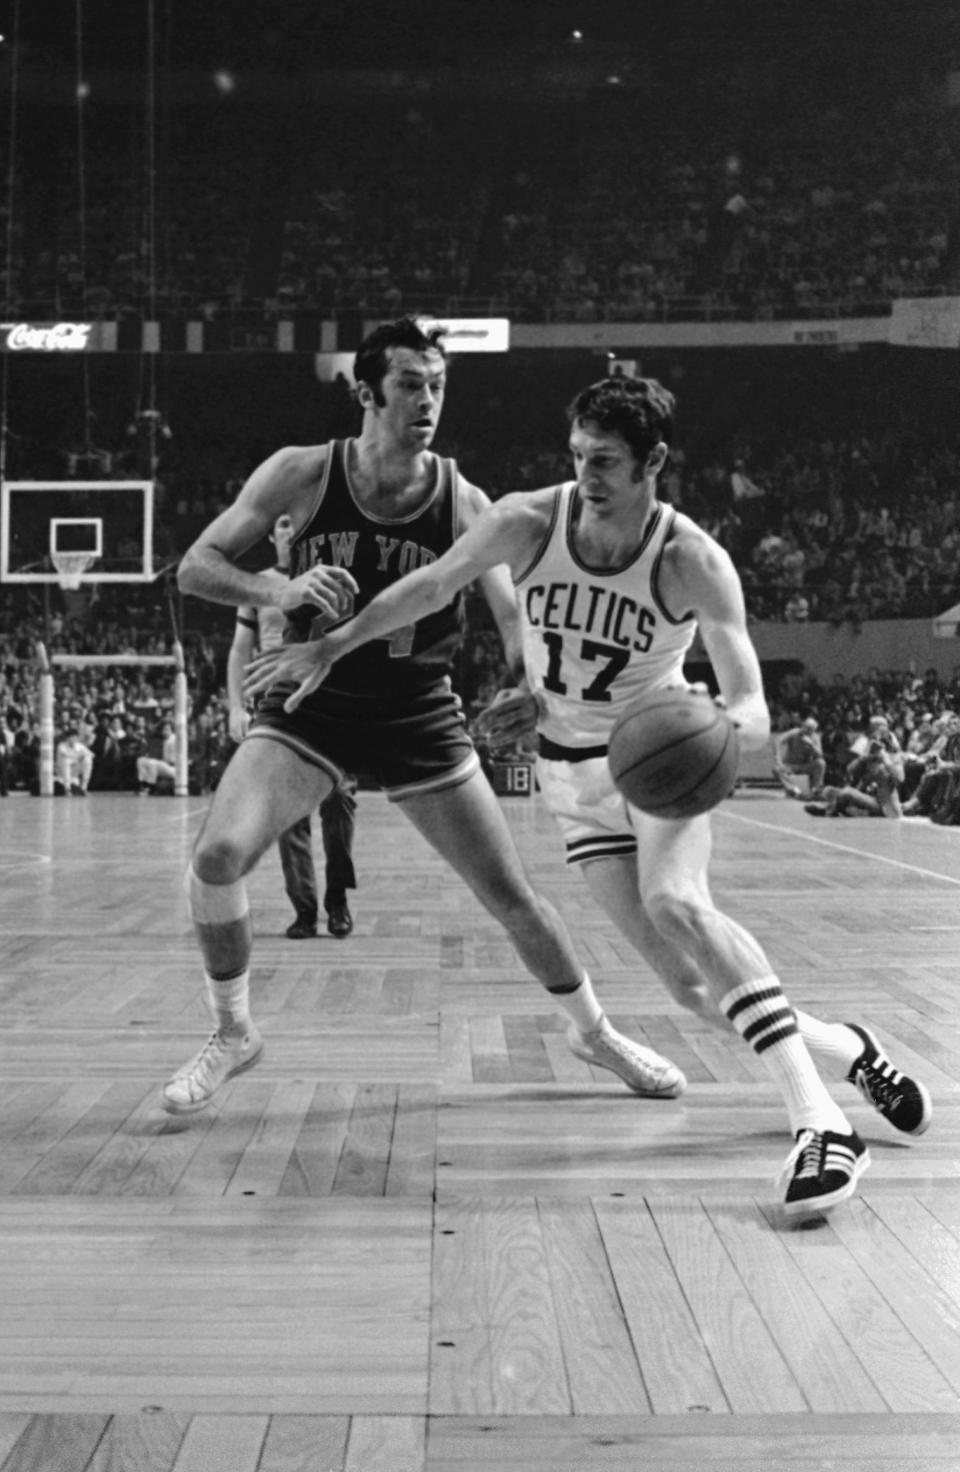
(263,628)
(367,512)
(611,586)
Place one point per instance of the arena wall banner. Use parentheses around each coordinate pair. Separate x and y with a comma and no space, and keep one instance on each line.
(471,334)
(932,322)
(58,337)
(926,322)
(623,338)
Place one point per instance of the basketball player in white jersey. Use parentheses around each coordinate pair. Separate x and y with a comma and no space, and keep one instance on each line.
(263,628)
(365,511)
(611,586)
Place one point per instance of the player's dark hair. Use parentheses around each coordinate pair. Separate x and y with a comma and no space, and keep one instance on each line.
(640,410)
(373,355)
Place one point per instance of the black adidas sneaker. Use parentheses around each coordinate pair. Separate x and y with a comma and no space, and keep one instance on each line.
(899,1098)
(823,1168)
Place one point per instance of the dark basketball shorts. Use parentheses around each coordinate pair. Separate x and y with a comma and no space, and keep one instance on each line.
(407,747)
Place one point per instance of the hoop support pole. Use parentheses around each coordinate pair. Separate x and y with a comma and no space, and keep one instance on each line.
(181,708)
(45,712)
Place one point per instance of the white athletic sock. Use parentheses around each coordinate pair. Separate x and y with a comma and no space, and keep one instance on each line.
(764,1018)
(830,1042)
(581,1004)
(230,999)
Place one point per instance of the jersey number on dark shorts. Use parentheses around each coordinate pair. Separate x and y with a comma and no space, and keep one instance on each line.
(399,643)
(616,658)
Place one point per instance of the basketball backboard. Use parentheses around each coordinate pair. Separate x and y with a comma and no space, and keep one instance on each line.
(110,520)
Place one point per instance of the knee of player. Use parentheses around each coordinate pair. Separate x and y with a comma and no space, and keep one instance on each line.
(679,916)
(695,996)
(214,904)
(219,860)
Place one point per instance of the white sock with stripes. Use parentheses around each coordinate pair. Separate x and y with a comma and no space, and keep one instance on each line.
(764,1018)
(830,1042)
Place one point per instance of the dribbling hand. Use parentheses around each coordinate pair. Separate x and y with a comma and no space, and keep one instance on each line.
(306,664)
(511,715)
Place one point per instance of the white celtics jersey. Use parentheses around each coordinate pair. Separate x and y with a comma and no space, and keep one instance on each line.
(595,640)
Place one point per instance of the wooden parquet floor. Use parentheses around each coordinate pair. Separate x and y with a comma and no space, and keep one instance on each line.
(421,1236)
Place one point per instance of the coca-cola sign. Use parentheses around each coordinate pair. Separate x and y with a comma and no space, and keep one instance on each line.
(46,337)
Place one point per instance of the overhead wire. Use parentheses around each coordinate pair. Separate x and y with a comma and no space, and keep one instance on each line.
(9,299)
(148,377)
(81,96)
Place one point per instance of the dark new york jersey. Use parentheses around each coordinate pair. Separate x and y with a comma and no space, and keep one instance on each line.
(378,551)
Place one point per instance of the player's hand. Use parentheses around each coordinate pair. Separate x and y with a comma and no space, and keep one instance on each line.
(307,665)
(331,590)
(511,715)
(239,724)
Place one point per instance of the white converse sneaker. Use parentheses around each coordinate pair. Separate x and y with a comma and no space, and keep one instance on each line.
(641,1069)
(194,1085)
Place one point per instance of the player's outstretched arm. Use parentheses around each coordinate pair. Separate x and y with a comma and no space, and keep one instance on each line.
(496,583)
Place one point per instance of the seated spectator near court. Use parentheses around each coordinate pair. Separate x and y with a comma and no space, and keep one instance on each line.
(74,765)
(799,752)
(26,757)
(6,755)
(108,752)
(942,763)
(919,743)
(151,768)
(871,789)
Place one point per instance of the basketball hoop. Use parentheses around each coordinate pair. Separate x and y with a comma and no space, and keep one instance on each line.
(71,567)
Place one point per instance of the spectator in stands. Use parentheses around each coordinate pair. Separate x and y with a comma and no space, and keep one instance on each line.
(79,716)
(796,610)
(144,702)
(210,748)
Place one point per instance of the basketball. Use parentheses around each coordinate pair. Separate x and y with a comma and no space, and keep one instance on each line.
(674,754)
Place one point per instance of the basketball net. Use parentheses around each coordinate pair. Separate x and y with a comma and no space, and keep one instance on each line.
(71,567)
